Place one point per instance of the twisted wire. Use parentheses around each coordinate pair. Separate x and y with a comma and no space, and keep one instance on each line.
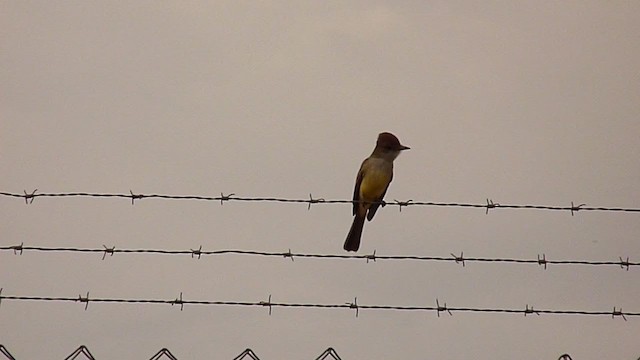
(489,205)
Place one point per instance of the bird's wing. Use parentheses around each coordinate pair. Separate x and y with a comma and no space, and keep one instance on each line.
(356,190)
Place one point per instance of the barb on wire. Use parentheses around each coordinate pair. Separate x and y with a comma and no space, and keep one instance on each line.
(81,350)
(575,209)
(29,197)
(329,352)
(490,205)
(108,250)
(197,253)
(354,305)
(288,254)
(402,203)
(617,312)
(267,304)
(459,259)
(371,257)
(624,264)
(17,249)
(530,310)
(162,353)
(134,197)
(224,198)
(540,260)
(84,300)
(314,201)
(4,351)
(440,309)
(178,301)
(247,352)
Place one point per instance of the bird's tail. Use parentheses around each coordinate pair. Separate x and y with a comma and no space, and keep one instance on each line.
(352,243)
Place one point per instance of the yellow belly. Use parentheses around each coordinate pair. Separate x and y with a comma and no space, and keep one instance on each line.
(373,184)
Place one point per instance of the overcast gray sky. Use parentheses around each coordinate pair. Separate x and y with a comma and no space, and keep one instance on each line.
(521,102)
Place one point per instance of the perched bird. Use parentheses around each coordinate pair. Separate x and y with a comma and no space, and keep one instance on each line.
(372,182)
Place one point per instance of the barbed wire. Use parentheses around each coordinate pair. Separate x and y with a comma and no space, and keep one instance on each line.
(166,353)
(489,205)
(541,260)
(354,306)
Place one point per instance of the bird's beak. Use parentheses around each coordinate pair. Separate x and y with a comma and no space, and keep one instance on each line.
(402,147)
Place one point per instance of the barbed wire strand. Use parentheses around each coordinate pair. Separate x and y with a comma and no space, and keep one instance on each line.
(354,306)
(164,352)
(490,204)
(198,253)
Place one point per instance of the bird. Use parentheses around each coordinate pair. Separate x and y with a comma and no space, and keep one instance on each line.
(372,182)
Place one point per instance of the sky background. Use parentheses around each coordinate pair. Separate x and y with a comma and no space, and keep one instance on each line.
(521,102)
